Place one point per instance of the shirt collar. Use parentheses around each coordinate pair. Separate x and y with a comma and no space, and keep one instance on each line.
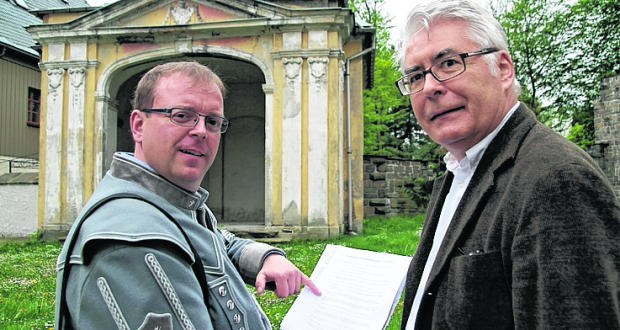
(474,154)
(127,167)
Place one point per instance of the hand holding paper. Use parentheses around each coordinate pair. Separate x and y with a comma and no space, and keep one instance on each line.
(360,291)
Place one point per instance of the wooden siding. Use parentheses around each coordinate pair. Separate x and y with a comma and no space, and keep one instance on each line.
(16,138)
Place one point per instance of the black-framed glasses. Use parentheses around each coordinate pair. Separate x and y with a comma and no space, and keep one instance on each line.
(442,70)
(189,118)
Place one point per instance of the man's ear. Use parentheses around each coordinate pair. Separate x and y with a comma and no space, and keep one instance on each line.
(136,123)
(506,69)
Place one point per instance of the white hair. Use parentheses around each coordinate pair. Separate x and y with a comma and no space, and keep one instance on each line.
(483,28)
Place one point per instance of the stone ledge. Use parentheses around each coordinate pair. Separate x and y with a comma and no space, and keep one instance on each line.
(19,178)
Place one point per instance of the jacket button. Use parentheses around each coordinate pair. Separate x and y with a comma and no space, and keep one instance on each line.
(237,318)
(429,293)
(230,304)
(222,291)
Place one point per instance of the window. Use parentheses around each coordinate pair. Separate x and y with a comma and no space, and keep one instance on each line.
(34,107)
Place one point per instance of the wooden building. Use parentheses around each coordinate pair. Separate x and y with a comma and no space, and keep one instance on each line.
(20,78)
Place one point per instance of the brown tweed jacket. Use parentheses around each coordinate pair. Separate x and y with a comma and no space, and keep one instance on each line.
(534,242)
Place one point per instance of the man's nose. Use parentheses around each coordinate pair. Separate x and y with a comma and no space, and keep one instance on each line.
(432,86)
(200,129)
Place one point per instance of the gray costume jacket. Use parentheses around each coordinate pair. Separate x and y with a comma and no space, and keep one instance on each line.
(131,266)
(533,244)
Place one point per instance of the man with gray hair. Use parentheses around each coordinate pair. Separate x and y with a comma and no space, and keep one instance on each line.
(523,229)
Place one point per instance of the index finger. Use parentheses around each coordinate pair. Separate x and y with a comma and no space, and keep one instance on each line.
(308,282)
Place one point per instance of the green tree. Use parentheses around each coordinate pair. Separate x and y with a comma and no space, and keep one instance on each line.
(388,124)
(534,37)
(561,51)
(390,128)
(593,26)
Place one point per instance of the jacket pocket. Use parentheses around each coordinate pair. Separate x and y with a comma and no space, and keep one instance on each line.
(478,293)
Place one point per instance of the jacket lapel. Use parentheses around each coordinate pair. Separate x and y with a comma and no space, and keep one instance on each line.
(416,267)
(502,149)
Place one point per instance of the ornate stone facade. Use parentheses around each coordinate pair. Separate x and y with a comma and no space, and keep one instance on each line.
(283,165)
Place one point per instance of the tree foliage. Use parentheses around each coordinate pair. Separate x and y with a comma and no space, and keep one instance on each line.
(390,128)
(387,114)
(561,51)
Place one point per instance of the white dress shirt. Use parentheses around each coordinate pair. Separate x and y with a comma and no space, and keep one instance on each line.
(463,172)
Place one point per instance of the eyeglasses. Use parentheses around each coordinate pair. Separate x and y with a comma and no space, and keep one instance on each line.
(189,118)
(444,69)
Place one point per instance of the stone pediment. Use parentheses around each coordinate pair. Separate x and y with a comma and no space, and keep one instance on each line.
(144,19)
(149,13)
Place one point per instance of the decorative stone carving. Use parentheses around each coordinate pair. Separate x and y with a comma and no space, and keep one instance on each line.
(76,76)
(292,67)
(54,80)
(182,13)
(76,91)
(318,71)
(318,67)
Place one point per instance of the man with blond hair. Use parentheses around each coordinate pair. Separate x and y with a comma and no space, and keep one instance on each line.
(146,252)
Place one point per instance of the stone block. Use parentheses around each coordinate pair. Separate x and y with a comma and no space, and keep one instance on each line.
(382,210)
(370,194)
(378,176)
(378,160)
(379,202)
(379,184)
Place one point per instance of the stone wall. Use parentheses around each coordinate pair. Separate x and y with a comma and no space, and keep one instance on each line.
(18,196)
(606,149)
(384,186)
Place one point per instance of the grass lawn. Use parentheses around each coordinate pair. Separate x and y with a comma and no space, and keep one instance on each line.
(27,271)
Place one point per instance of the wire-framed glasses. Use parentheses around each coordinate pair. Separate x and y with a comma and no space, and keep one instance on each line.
(189,118)
(442,70)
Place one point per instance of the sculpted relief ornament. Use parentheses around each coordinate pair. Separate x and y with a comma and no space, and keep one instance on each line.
(76,76)
(54,79)
(182,13)
(318,70)
(318,67)
(292,66)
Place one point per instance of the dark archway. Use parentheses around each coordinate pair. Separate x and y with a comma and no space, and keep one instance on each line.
(236,181)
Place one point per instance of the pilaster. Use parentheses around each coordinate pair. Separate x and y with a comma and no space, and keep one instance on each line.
(291,142)
(317,141)
(53,147)
(269,214)
(75,142)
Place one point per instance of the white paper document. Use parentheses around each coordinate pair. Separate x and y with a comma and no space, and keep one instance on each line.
(359,289)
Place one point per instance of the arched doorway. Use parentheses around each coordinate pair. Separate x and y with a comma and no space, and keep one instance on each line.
(236,180)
